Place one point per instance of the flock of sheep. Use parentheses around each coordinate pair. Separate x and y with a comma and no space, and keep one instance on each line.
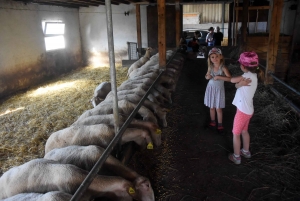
(72,152)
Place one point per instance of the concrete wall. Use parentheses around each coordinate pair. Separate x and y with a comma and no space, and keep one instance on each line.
(24,61)
(94,32)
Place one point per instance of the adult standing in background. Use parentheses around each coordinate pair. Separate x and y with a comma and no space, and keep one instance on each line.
(210,37)
(218,37)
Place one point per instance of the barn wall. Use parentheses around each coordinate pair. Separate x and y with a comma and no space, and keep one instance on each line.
(94,32)
(24,61)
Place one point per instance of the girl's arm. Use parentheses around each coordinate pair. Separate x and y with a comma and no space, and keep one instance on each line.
(240,81)
(227,76)
(236,79)
(208,76)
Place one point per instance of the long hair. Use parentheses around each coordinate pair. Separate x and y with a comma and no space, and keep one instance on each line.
(260,73)
(210,65)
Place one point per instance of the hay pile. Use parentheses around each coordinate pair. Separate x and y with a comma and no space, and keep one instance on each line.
(28,119)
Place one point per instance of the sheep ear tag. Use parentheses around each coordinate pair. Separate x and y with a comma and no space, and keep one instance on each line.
(158,131)
(131,190)
(150,145)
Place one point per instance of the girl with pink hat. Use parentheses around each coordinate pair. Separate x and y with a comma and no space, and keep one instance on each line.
(246,85)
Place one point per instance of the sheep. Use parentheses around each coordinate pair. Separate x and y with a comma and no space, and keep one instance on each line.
(98,134)
(109,119)
(50,196)
(42,175)
(134,98)
(140,61)
(85,157)
(125,107)
(100,93)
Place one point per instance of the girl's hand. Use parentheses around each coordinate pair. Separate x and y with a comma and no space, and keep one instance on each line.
(245,82)
(216,77)
(208,76)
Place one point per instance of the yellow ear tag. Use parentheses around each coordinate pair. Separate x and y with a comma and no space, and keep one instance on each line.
(168,110)
(150,145)
(131,190)
(158,131)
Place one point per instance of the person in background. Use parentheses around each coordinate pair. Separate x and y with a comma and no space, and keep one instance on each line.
(194,43)
(210,37)
(214,97)
(246,85)
(183,42)
(218,37)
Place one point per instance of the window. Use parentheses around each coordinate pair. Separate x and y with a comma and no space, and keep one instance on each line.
(54,35)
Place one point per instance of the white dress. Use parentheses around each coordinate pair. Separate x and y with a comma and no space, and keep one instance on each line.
(215,91)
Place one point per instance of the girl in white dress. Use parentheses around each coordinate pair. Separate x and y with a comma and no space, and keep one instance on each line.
(214,97)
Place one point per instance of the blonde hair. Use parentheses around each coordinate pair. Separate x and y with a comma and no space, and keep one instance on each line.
(210,65)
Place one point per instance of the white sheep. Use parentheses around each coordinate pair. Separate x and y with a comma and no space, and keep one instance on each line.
(50,196)
(140,61)
(43,175)
(98,134)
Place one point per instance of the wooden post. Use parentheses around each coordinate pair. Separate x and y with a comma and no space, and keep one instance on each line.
(161,11)
(138,28)
(236,25)
(244,26)
(256,21)
(178,23)
(274,33)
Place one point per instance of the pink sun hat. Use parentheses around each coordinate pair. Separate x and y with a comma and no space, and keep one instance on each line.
(249,59)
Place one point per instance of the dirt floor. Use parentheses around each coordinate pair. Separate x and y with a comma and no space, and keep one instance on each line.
(192,162)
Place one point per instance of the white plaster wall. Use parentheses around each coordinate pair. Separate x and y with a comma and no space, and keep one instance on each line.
(94,32)
(21,34)
(23,57)
(288,20)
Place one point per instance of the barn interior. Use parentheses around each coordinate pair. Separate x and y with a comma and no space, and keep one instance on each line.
(101,39)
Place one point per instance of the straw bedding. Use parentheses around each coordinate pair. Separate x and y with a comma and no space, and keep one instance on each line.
(28,119)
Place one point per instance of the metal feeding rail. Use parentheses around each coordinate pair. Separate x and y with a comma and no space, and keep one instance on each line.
(276,92)
(94,171)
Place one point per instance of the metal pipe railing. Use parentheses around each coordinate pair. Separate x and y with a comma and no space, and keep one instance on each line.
(293,106)
(280,81)
(88,180)
(110,37)
(285,84)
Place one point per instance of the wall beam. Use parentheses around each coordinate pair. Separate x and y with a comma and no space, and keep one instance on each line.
(274,33)
(161,11)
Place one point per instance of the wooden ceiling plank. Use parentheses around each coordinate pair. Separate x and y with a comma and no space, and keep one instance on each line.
(57,3)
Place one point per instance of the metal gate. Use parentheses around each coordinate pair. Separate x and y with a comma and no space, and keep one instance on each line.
(132,51)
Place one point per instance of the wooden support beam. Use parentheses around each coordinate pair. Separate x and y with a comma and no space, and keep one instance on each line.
(178,23)
(274,33)
(244,26)
(161,11)
(138,28)
(236,24)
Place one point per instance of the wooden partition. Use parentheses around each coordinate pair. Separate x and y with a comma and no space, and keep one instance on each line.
(259,44)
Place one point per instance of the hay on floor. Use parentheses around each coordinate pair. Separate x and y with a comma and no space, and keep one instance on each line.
(28,119)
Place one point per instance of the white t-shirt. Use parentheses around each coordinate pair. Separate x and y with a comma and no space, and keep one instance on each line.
(243,98)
